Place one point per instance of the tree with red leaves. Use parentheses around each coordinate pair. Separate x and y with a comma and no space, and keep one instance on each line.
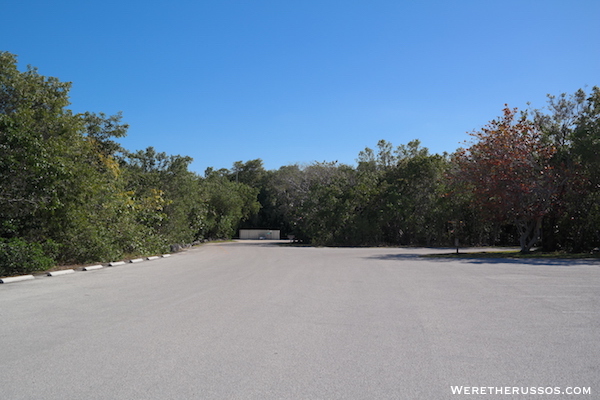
(509,171)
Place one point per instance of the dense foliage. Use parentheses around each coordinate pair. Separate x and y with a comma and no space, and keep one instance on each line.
(66,184)
(70,194)
(527,179)
(510,173)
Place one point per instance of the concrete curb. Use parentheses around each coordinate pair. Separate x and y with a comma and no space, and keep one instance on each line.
(17,278)
(93,267)
(115,263)
(61,272)
(88,268)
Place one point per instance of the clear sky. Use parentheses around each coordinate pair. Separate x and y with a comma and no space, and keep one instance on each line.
(301,81)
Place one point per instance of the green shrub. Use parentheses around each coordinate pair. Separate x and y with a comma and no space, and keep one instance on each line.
(20,257)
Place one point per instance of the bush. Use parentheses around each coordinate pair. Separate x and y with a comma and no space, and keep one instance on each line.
(19,257)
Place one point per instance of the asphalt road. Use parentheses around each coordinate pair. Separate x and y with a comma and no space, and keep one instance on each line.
(250,320)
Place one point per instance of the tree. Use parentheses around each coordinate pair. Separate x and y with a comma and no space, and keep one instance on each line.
(37,138)
(167,196)
(586,137)
(326,211)
(414,197)
(572,124)
(510,173)
(59,178)
(279,198)
(228,203)
(100,129)
(250,172)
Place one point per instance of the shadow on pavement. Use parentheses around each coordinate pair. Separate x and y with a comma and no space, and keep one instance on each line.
(487,260)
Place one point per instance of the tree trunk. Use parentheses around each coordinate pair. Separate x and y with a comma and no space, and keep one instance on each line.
(530,233)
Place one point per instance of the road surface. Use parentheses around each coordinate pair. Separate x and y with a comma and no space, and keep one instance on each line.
(252,320)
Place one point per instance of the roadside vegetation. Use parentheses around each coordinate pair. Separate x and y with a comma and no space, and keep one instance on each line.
(69,193)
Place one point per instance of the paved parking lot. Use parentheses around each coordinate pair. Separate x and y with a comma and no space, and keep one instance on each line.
(252,320)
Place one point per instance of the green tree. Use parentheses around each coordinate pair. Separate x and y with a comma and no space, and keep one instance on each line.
(59,177)
(406,202)
(326,211)
(38,138)
(414,197)
(570,123)
(228,204)
(250,172)
(167,196)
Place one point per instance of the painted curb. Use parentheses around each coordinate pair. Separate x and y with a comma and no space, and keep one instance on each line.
(17,278)
(93,267)
(61,272)
(115,263)
(88,268)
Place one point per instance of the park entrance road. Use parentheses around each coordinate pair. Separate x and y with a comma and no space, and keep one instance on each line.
(251,320)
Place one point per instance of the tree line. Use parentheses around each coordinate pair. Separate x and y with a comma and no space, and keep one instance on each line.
(529,178)
(69,193)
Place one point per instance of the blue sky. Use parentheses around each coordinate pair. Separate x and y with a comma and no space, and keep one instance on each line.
(302,81)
